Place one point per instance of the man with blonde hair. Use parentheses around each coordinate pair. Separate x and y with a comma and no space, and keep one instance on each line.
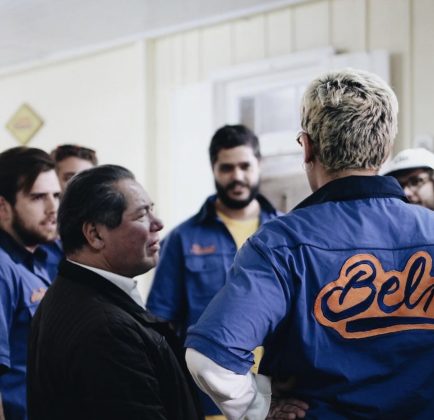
(339,291)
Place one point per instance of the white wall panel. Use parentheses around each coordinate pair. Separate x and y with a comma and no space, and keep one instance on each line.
(279,33)
(249,39)
(191,54)
(163,63)
(192,129)
(423,67)
(177,59)
(215,48)
(311,22)
(164,77)
(389,28)
(348,25)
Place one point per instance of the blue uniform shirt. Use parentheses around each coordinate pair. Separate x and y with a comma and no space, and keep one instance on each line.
(24,278)
(194,261)
(340,291)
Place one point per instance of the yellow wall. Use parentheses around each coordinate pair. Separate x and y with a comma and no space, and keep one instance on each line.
(97,100)
(402,27)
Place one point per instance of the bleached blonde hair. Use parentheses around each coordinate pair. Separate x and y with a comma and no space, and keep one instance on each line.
(351,117)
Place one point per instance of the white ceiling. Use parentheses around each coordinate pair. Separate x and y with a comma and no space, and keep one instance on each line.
(34,30)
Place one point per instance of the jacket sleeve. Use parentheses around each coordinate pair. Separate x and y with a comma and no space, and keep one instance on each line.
(7,306)
(253,302)
(167,298)
(238,396)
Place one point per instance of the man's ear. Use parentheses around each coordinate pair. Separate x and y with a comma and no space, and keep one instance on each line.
(308,153)
(5,208)
(91,233)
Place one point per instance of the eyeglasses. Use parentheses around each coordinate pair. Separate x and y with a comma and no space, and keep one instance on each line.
(414,183)
(298,138)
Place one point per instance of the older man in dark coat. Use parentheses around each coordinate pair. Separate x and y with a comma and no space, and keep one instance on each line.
(95,353)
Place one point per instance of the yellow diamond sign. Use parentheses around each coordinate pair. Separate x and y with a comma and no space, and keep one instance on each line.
(24,124)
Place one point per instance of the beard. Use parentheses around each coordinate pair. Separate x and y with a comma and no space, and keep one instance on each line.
(232,203)
(28,236)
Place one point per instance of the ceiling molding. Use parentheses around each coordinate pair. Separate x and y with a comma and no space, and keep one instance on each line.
(97,47)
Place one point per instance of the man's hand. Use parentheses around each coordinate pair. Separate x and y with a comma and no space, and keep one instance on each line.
(2,414)
(287,408)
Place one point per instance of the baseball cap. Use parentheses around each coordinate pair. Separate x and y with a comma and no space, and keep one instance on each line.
(409,159)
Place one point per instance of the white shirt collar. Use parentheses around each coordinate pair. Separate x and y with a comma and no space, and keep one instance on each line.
(127,284)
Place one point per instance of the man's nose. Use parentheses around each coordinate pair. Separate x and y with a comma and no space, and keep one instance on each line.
(51,203)
(409,193)
(156,224)
(238,174)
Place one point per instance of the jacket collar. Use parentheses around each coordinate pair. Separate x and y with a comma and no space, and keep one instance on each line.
(18,253)
(207,212)
(354,188)
(79,274)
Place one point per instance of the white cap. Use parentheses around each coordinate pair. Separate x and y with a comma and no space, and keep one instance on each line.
(409,159)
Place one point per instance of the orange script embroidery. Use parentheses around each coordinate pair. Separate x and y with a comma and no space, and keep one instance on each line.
(201,250)
(366,301)
(38,294)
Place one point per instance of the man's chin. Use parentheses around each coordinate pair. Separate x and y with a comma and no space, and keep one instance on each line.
(150,263)
(239,197)
(43,238)
(237,201)
(237,204)
(49,236)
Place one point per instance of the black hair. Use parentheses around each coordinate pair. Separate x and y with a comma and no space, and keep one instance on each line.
(19,168)
(91,197)
(230,136)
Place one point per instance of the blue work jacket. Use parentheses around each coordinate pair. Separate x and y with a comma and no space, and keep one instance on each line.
(24,278)
(194,261)
(340,293)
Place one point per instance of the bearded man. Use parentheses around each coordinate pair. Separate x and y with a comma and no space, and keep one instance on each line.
(29,199)
(197,254)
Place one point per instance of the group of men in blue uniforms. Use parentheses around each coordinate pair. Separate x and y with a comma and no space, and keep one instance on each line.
(338,291)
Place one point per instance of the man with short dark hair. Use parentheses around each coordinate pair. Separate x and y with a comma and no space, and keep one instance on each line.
(71,159)
(197,254)
(29,199)
(94,352)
